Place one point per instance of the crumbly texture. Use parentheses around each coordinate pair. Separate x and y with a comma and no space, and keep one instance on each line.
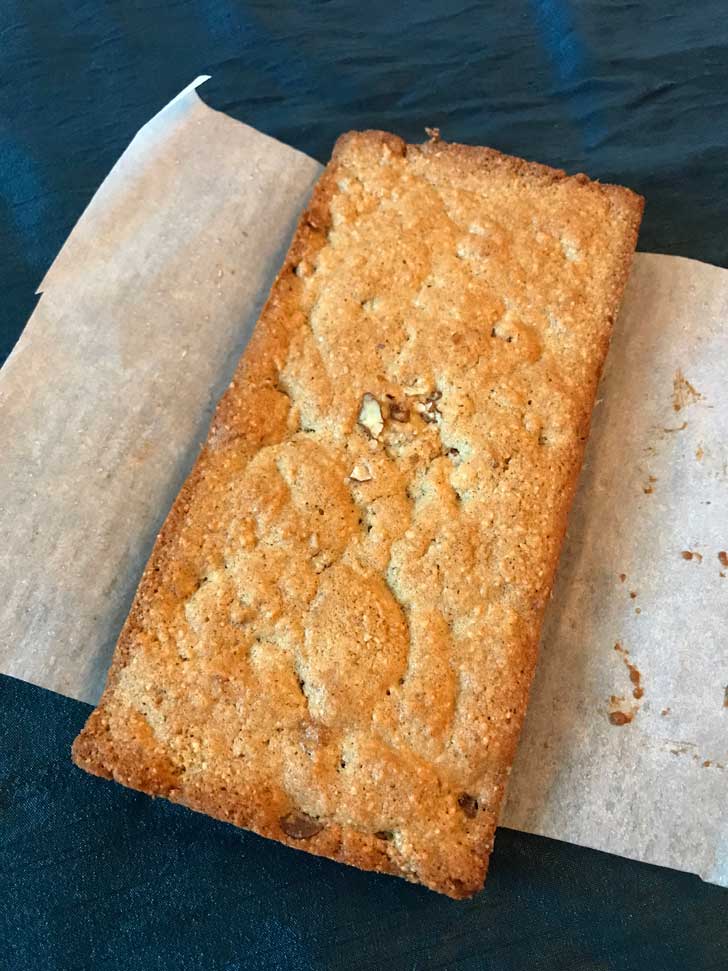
(334,638)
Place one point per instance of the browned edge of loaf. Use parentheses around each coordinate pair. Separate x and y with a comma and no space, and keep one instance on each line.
(94,751)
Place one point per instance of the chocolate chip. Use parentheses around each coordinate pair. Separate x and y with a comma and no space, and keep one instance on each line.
(385,834)
(300,826)
(469,805)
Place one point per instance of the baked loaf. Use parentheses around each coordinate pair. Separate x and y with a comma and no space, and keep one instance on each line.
(334,638)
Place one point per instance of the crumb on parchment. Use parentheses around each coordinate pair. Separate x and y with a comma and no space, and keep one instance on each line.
(683,392)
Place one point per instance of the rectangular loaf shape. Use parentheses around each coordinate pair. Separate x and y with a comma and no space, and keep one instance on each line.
(333,641)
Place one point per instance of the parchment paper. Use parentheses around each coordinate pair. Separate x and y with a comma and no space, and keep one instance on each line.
(107,397)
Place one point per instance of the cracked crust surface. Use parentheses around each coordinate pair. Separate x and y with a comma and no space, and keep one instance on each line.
(334,638)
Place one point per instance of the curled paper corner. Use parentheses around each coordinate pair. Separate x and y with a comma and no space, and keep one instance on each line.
(192,86)
(159,127)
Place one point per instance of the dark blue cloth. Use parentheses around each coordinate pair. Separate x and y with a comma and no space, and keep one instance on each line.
(96,877)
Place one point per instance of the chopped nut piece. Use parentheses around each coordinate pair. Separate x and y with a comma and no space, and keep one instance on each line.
(300,826)
(314,735)
(360,472)
(370,415)
(427,410)
(469,805)
(399,412)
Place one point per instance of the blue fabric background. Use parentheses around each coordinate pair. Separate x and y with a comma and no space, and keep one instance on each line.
(95,877)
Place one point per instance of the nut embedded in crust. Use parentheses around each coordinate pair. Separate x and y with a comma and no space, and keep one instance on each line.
(360,473)
(370,415)
(300,826)
(399,412)
(428,411)
(469,805)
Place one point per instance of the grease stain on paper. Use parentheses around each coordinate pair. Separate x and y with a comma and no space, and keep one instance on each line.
(618,716)
(649,488)
(683,392)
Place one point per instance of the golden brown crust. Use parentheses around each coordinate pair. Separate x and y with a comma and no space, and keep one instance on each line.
(334,638)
